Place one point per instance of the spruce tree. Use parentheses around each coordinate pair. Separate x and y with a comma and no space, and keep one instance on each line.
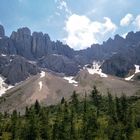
(75,101)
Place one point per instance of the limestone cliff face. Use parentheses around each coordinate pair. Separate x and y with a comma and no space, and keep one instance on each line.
(23,42)
(41,44)
(16,68)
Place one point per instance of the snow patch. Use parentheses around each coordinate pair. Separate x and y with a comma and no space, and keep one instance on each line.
(42,74)
(95,69)
(32,62)
(3,54)
(130,77)
(40,85)
(71,80)
(4,87)
(137,70)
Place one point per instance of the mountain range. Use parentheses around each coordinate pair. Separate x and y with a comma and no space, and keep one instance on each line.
(23,51)
(25,54)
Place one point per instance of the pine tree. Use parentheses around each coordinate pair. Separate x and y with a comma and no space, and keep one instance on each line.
(75,101)
(63,100)
(124,109)
(92,126)
(14,129)
(111,107)
(37,107)
(118,108)
(44,127)
(32,127)
(130,124)
(72,126)
(96,98)
(84,128)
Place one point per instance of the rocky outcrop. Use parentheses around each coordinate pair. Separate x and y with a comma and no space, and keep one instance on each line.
(7,46)
(41,44)
(22,39)
(2,32)
(117,65)
(121,63)
(60,64)
(16,69)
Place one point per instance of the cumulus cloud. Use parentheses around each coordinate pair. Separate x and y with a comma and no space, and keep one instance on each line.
(82,32)
(137,22)
(125,21)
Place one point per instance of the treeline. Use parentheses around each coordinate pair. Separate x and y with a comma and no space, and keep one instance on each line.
(94,117)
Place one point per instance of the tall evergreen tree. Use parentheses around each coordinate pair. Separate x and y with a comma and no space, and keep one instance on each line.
(75,101)
(37,107)
(111,107)
(124,108)
(96,98)
(72,126)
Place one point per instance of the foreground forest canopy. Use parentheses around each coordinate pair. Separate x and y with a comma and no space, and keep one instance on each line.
(94,117)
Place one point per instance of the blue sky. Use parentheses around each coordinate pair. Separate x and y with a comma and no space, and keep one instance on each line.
(79,23)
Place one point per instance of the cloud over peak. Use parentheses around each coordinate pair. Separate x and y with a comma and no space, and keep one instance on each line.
(82,31)
(125,21)
(137,22)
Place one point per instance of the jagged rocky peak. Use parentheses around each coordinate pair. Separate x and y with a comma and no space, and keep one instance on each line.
(24,31)
(21,34)
(129,35)
(118,38)
(23,41)
(38,44)
(2,31)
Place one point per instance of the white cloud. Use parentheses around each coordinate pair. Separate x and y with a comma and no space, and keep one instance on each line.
(82,32)
(137,22)
(125,21)
(62,5)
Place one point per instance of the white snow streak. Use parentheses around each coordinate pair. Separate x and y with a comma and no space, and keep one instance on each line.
(3,54)
(137,70)
(40,85)
(71,80)
(42,74)
(3,86)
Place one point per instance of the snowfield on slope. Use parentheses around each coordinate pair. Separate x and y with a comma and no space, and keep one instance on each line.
(3,86)
(137,70)
(95,69)
(71,80)
(42,74)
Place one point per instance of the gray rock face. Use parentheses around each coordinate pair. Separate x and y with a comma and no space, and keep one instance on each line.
(7,46)
(2,32)
(23,40)
(117,65)
(61,49)
(121,63)
(38,44)
(16,69)
(60,64)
